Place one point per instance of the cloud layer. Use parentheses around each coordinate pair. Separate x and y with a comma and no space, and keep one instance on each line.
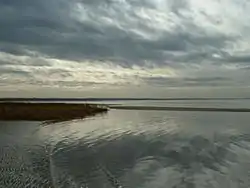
(95,43)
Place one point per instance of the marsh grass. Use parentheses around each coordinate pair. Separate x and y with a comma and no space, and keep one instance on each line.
(48,111)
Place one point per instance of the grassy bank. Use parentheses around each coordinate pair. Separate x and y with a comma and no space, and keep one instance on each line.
(48,111)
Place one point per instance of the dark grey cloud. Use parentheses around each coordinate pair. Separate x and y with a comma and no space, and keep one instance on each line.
(245,58)
(30,24)
(191,81)
(49,27)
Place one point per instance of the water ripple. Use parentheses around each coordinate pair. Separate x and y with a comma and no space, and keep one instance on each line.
(132,150)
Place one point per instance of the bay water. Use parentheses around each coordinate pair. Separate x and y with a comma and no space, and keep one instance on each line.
(131,148)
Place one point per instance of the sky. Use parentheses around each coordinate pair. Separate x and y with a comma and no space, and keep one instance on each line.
(126,48)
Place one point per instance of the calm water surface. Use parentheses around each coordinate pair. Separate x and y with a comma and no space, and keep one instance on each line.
(129,149)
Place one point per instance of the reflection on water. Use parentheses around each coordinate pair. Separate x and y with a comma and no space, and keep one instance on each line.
(132,149)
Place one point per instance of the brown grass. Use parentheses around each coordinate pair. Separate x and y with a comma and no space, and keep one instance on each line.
(48,111)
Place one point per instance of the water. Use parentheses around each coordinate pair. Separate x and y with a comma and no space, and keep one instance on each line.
(130,149)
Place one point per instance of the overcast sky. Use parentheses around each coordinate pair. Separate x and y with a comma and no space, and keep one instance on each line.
(118,47)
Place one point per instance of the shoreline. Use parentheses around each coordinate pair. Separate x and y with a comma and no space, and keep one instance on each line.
(15,111)
(187,109)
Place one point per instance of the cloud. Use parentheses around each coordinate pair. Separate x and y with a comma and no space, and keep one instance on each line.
(124,30)
(44,72)
(65,73)
(164,43)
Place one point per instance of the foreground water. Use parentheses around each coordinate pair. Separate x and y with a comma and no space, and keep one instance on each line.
(132,149)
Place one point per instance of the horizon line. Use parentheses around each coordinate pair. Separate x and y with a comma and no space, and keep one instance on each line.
(115,98)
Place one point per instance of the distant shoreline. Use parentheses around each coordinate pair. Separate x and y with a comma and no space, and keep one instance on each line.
(116,99)
(190,109)
(48,111)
